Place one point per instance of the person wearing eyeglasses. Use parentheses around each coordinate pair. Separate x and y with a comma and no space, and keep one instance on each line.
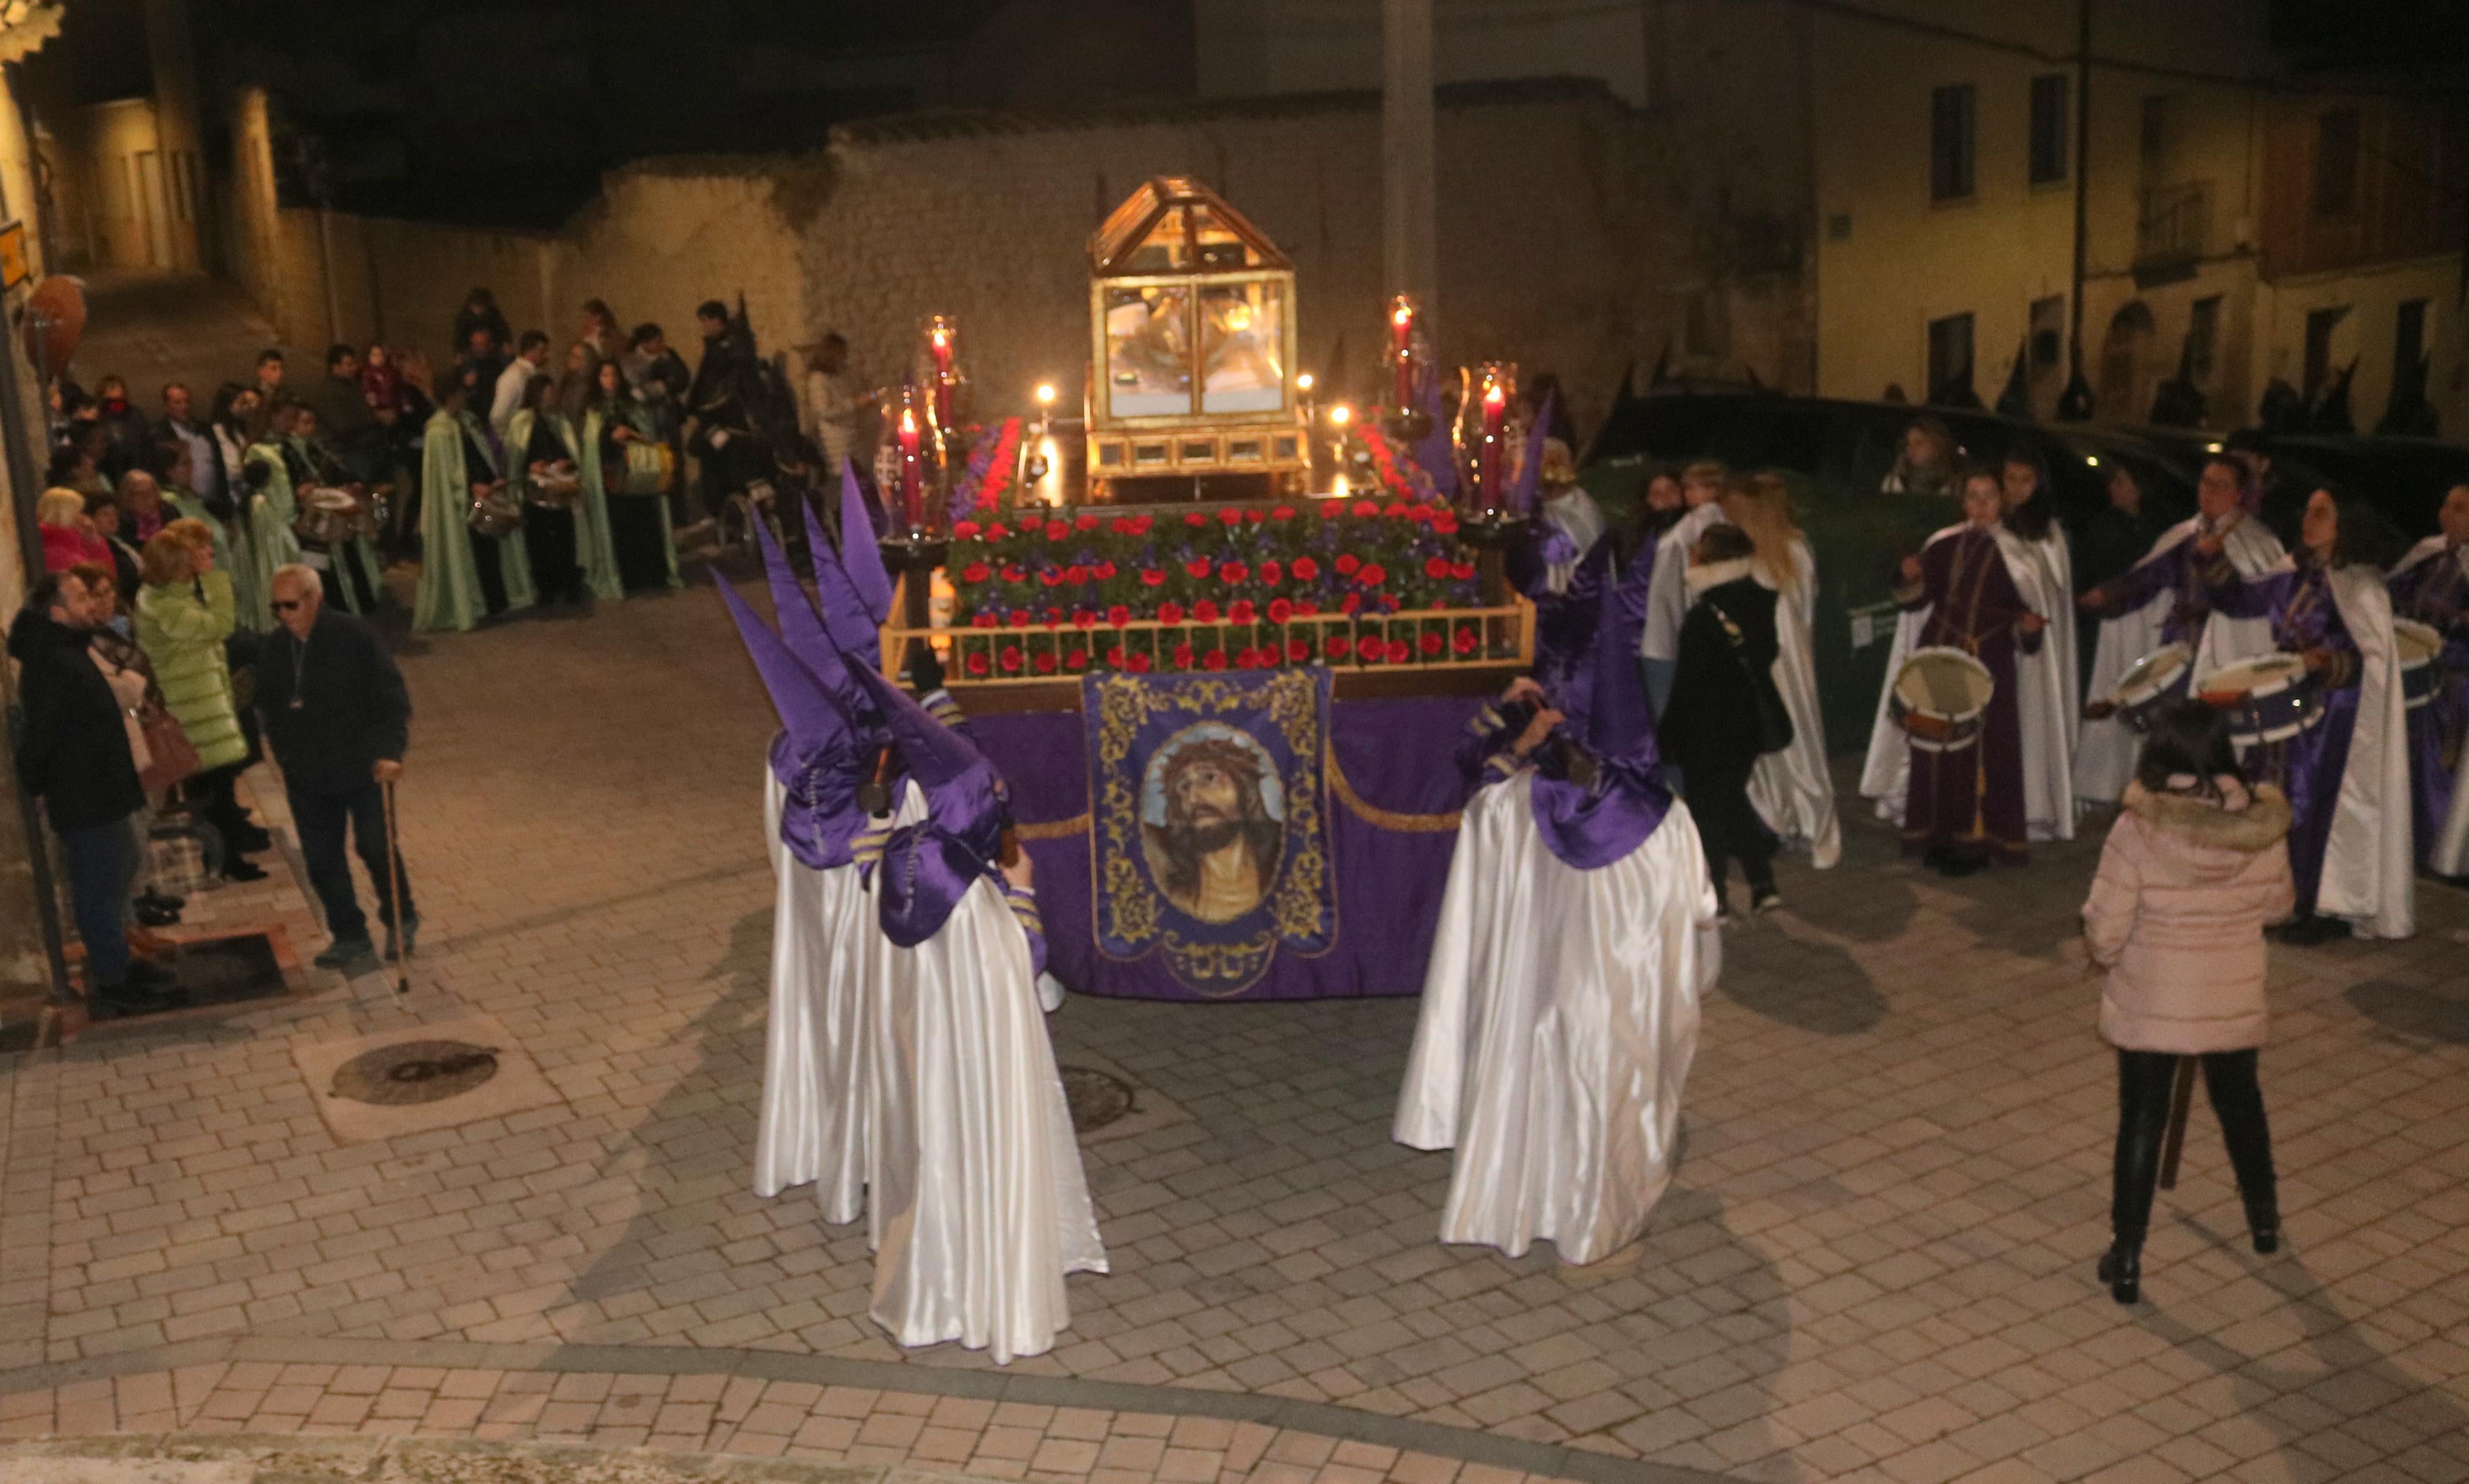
(338,718)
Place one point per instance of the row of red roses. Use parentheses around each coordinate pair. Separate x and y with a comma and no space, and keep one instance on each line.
(1442,520)
(1336,648)
(1271,572)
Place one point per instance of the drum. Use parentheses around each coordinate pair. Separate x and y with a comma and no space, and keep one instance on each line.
(2421,679)
(2151,680)
(327,515)
(650,469)
(498,514)
(2271,698)
(558,488)
(1940,697)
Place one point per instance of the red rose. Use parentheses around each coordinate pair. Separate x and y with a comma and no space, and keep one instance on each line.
(1437,605)
(1336,646)
(1395,510)
(1331,509)
(965,530)
(1366,507)
(1123,526)
(1137,663)
(1279,610)
(1115,658)
(1247,658)
(1437,569)
(1305,569)
(1233,571)
(1215,660)
(1398,652)
(1462,571)
(1204,611)
(1084,619)
(1010,658)
(1431,643)
(1045,662)
(1077,659)
(1240,611)
(1086,523)
(1013,572)
(1183,656)
(1057,530)
(1297,651)
(1466,640)
(998,531)
(1170,613)
(1020,617)
(1195,518)
(1152,577)
(1075,574)
(1283,513)
(1346,564)
(1350,603)
(1252,516)
(975,571)
(1229,517)
(1197,568)
(1048,577)
(1103,571)
(984,621)
(1370,651)
(1271,573)
(1371,575)
(1445,523)
(978,663)
(1053,617)
(1119,616)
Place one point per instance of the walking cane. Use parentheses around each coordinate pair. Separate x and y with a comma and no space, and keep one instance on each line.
(394,892)
(2173,1143)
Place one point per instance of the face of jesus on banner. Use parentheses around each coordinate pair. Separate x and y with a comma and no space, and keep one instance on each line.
(1213,823)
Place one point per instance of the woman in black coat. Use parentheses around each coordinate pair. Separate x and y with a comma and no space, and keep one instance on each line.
(1725,711)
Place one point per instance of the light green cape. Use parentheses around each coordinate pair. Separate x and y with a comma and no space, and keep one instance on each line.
(268,539)
(449,579)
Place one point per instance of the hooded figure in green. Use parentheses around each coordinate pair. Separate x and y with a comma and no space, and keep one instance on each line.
(464,577)
(269,510)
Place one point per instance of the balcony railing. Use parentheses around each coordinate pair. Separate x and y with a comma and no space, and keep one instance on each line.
(2175,225)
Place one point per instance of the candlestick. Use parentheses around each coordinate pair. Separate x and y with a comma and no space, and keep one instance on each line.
(912,496)
(1401,335)
(1495,411)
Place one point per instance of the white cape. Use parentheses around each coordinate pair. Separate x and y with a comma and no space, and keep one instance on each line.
(1558,1020)
(812,1124)
(2052,708)
(1792,790)
(1888,769)
(2448,853)
(2105,754)
(982,1206)
(2369,863)
(1667,592)
(1579,519)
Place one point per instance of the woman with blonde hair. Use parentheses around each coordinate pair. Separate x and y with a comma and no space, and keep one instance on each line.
(1792,789)
(69,537)
(184,614)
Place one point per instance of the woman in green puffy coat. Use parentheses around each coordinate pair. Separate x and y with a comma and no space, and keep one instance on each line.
(184,614)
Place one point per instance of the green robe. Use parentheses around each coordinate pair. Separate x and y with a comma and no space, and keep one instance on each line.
(593,540)
(371,563)
(269,539)
(450,596)
(633,415)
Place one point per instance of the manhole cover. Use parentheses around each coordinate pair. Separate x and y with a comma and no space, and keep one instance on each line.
(1097,1097)
(410,1072)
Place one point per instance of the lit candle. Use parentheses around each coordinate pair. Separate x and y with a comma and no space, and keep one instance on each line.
(1401,333)
(913,498)
(940,340)
(1495,410)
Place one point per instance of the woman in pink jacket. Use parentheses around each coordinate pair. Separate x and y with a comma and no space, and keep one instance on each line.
(2196,866)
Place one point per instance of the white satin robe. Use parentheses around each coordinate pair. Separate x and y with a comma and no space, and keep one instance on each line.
(980,1206)
(2052,701)
(2107,750)
(2369,863)
(1558,1020)
(811,1127)
(2448,853)
(1667,600)
(1792,790)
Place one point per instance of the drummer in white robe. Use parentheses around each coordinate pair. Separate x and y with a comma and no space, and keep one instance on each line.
(2163,600)
(1667,592)
(2431,586)
(1792,790)
(980,1203)
(2049,688)
(811,1127)
(1561,1006)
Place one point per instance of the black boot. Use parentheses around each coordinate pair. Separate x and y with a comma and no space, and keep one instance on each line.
(2121,1268)
(2263,1220)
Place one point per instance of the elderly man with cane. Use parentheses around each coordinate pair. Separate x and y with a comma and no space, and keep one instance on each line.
(337,716)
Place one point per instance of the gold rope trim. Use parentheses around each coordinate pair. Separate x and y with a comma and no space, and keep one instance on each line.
(1055,830)
(1383,818)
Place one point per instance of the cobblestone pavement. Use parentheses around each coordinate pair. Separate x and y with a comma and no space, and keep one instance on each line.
(1875,1263)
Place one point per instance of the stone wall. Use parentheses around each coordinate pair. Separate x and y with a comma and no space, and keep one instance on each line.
(1568,240)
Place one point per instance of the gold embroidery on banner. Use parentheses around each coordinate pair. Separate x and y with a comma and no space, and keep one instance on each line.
(1055,830)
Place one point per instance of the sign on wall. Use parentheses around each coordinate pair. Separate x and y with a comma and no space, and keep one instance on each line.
(14,267)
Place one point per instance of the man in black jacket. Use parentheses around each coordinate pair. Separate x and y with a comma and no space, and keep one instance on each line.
(336,713)
(76,759)
(1723,700)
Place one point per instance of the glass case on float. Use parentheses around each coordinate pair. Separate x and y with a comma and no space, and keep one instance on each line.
(1191,313)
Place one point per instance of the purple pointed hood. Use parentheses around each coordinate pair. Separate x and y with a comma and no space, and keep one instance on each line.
(1590,828)
(1620,720)
(853,587)
(1529,469)
(929,865)
(801,628)
(807,707)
